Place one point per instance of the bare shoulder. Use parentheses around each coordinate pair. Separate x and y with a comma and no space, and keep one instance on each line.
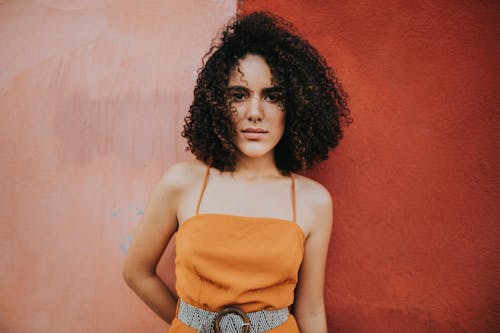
(182,175)
(312,192)
(314,204)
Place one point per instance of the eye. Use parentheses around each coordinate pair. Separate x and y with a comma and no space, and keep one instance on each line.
(237,96)
(273,97)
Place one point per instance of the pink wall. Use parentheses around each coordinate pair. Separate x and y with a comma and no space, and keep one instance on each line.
(415,183)
(92,96)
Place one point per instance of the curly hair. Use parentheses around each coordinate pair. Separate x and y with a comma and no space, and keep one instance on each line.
(314,100)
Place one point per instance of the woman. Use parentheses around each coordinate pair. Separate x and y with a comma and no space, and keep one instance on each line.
(252,236)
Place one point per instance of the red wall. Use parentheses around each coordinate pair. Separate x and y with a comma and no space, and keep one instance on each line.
(92,97)
(415,182)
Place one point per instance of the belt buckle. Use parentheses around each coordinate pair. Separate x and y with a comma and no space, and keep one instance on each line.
(235,310)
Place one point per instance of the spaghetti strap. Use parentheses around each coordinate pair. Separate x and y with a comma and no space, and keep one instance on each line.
(202,189)
(293,199)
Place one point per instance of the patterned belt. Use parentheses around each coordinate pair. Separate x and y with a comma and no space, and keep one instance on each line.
(230,319)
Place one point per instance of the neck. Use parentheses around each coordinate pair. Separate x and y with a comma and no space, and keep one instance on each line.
(255,168)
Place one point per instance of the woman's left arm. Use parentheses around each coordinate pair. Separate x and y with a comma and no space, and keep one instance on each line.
(309,303)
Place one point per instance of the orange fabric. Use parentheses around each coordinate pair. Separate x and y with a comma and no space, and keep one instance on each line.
(251,262)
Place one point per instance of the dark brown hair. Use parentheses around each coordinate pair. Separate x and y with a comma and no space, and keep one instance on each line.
(314,100)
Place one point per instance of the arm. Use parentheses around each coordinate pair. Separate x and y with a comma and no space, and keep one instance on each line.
(152,235)
(309,302)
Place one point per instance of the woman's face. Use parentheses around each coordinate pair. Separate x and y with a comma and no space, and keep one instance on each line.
(259,116)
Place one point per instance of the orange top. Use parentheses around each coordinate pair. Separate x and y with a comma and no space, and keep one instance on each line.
(251,262)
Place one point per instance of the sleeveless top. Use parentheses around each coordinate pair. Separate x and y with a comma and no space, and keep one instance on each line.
(250,262)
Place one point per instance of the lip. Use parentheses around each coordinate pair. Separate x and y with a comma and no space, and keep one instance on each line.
(254,130)
(254,133)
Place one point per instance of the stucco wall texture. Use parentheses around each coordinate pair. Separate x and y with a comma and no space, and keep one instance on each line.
(92,97)
(415,183)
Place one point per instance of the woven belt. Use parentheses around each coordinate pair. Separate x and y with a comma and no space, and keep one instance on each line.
(230,319)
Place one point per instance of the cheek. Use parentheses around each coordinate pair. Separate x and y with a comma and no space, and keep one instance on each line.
(236,116)
(282,120)
(279,123)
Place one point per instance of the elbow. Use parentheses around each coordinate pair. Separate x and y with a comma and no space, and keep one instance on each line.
(131,273)
(128,274)
(134,273)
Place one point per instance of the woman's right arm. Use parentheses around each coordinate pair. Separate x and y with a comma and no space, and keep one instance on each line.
(152,235)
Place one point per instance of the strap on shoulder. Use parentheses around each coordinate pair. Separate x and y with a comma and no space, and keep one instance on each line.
(293,199)
(203,186)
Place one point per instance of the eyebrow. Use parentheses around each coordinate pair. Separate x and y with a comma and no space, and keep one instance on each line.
(265,90)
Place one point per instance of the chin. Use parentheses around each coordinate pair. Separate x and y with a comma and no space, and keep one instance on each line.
(254,152)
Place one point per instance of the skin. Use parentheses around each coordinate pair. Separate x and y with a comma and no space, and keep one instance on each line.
(256,181)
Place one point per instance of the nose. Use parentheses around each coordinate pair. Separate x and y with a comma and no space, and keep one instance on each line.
(255,111)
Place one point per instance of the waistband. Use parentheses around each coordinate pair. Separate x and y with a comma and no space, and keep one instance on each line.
(230,319)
